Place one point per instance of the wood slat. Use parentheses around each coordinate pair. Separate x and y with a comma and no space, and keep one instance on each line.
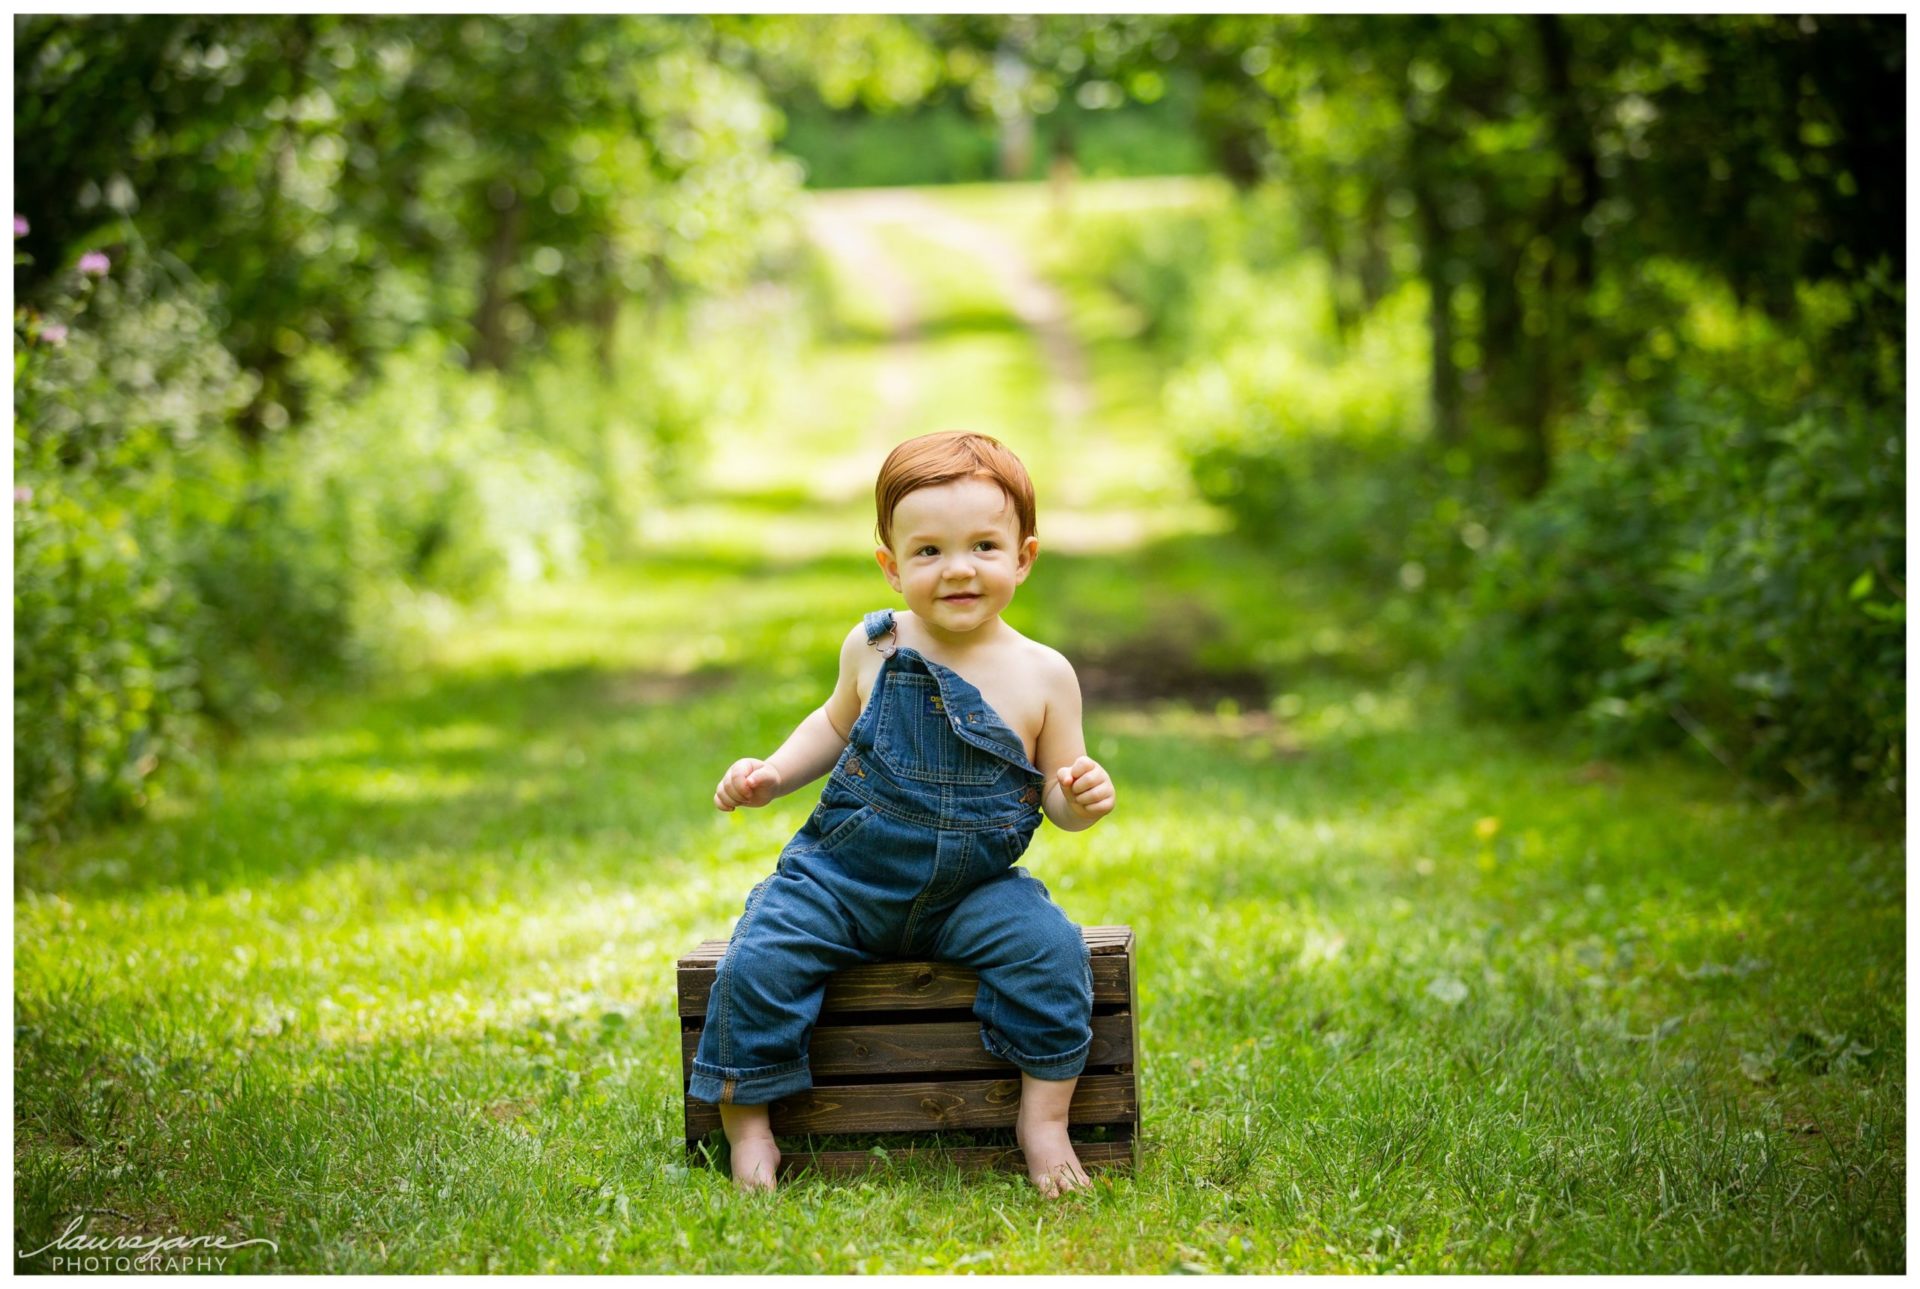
(1133,1047)
(922,1047)
(905,986)
(1099,940)
(922,1106)
(1093,1156)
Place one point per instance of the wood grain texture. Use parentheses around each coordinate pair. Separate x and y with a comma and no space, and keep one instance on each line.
(1099,940)
(925,1105)
(922,1047)
(1133,1049)
(914,986)
(1093,1156)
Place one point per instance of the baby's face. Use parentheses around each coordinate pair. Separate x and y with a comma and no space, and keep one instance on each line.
(957,553)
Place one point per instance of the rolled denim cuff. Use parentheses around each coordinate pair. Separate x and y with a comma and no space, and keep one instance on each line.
(721,1086)
(1066,1065)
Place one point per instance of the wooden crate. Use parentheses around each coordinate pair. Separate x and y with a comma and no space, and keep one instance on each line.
(897,1050)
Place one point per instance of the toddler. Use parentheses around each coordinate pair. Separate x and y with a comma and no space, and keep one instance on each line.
(936,735)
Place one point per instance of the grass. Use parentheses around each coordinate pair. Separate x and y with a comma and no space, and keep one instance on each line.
(1417,993)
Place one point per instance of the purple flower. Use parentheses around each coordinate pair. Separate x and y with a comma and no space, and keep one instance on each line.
(95,263)
(54,333)
(22,494)
(19,225)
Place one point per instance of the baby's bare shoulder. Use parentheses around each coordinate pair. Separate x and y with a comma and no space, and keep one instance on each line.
(858,666)
(1048,665)
(857,654)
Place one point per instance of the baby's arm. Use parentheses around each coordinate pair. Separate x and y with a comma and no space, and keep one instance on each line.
(809,751)
(1078,793)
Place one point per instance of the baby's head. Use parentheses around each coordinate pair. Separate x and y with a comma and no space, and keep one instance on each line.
(956,516)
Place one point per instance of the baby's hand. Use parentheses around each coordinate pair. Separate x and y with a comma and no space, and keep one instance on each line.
(1088,790)
(748,782)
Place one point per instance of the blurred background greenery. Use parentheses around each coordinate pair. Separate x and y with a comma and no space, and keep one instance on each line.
(1564,353)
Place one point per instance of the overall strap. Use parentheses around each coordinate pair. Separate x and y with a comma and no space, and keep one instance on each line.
(878,623)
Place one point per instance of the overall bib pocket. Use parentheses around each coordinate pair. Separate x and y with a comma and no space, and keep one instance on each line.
(916,740)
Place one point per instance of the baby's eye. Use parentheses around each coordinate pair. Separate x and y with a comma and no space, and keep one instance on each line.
(924,549)
(988,544)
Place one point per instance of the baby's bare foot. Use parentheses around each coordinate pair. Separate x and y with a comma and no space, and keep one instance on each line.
(756,1163)
(1051,1164)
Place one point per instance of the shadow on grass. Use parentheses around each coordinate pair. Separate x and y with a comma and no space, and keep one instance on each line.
(496,764)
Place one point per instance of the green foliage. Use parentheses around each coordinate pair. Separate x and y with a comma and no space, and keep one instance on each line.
(349,181)
(1728,576)
(167,577)
(275,604)
(119,392)
(1309,442)
(421,481)
(1718,556)
(1721,553)
(856,149)
(1161,265)
(363,243)
(1313,438)
(945,142)
(632,407)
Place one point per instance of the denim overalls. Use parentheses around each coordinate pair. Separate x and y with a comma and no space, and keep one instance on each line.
(909,855)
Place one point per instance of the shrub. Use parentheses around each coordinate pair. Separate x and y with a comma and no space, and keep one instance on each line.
(1727,576)
(166,576)
(119,390)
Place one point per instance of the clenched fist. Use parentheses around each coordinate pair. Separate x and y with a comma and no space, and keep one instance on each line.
(1088,790)
(748,782)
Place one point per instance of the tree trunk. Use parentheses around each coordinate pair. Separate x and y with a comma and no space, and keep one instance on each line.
(606,323)
(1568,278)
(492,346)
(1444,380)
(1508,358)
(1580,188)
(1376,269)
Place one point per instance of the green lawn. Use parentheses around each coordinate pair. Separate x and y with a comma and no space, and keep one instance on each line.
(1417,992)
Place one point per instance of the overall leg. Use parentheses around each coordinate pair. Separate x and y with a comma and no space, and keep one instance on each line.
(1035,1005)
(1035,1002)
(767,992)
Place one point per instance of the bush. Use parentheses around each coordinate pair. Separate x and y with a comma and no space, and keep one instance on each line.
(945,142)
(1718,557)
(633,426)
(420,479)
(166,576)
(1732,578)
(1317,444)
(119,390)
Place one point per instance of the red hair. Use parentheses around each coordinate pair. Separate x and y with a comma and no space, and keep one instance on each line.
(934,459)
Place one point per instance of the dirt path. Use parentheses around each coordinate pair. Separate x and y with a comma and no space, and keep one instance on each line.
(852,241)
(845,224)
